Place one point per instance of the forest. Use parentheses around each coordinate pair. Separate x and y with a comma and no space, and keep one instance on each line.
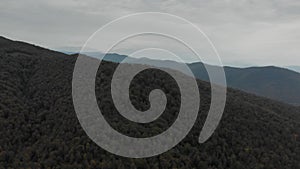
(39,127)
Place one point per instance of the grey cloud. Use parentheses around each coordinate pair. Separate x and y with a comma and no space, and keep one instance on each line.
(245,32)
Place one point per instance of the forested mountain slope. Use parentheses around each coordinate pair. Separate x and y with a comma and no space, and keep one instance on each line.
(272,82)
(39,128)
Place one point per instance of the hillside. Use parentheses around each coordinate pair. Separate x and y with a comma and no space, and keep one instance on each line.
(272,82)
(39,128)
(276,83)
(294,68)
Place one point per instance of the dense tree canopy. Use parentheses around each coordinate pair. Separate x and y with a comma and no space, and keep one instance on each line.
(39,128)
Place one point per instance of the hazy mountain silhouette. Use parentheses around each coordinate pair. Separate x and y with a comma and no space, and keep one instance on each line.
(270,81)
(273,82)
(39,127)
(294,68)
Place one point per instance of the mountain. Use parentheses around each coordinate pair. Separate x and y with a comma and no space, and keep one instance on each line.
(276,83)
(73,49)
(112,57)
(294,68)
(273,82)
(39,127)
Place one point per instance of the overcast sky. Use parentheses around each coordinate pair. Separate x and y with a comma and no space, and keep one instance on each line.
(244,32)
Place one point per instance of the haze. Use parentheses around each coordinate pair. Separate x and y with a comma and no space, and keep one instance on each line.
(244,32)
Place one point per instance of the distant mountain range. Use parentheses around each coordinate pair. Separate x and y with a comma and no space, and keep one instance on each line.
(272,82)
(294,68)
